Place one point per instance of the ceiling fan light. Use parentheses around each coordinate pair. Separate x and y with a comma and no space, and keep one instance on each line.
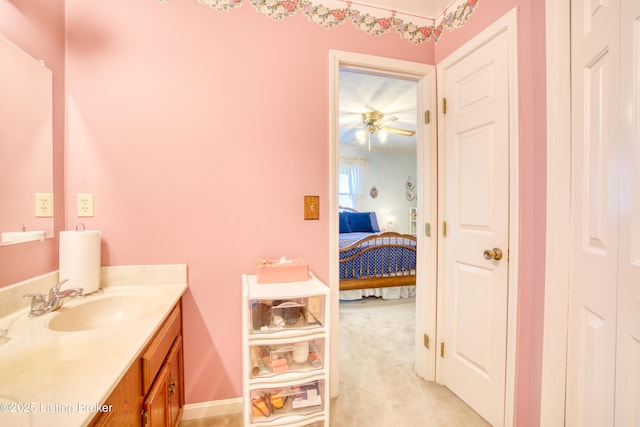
(360,136)
(383,135)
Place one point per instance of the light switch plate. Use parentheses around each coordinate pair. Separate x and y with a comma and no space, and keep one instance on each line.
(311,207)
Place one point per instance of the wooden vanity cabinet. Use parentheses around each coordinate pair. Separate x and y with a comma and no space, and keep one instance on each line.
(164,402)
(151,393)
(155,410)
(125,402)
(175,385)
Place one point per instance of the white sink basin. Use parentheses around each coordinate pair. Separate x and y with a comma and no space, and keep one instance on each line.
(101,313)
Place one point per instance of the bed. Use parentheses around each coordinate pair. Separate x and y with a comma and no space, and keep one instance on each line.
(374,263)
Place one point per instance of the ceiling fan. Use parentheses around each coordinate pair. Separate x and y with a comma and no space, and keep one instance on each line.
(374,122)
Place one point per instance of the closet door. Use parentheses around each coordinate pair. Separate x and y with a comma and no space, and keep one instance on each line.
(595,74)
(628,341)
(603,369)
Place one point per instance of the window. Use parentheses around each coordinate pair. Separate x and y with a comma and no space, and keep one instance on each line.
(344,191)
(350,182)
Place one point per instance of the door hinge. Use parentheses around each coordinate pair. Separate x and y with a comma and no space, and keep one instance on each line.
(442,349)
(444,105)
(145,419)
(426,341)
(444,228)
(427,229)
(427,117)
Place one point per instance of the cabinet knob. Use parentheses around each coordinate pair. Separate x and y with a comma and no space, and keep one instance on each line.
(172,385)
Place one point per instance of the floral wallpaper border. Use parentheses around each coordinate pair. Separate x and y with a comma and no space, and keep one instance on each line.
(362,17)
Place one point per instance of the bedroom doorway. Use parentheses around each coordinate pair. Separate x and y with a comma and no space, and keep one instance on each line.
(423,186)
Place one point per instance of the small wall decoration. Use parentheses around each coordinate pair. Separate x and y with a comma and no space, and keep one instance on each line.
(410,194)
(374,192)
(410,184)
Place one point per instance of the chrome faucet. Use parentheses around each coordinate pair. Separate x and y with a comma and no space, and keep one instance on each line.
(43,304)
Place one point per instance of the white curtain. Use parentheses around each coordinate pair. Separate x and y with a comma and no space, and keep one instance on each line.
(355,170)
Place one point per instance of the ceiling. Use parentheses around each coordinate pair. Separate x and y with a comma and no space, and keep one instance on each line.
(361,93)
(422,8)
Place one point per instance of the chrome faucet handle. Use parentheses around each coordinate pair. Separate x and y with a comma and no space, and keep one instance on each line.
(43,304)
(38,300)
(73,292)
(57,286)
(57,293)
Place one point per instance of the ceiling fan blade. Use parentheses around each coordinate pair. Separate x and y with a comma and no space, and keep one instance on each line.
(350,122)
(397,131)
(385,119)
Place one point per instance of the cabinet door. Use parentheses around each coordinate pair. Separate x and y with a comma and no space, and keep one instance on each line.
(155,405)
(103,419)
(125,402)
(175,382)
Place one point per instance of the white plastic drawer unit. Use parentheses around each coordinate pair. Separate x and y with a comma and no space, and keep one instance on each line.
(271,404)
(285,355)
(293,312)
(270,358)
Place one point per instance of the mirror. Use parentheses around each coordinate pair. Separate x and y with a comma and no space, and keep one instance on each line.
(26,146)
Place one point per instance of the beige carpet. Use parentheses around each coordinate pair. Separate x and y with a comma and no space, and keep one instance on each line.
(378,385)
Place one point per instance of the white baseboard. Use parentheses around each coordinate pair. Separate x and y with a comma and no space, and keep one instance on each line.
(214,408)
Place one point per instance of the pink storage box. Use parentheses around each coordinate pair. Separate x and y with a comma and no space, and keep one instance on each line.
(273,271)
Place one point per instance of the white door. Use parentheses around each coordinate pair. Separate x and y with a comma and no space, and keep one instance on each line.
(594,244)
(627,412)
(603,357)
(476,210)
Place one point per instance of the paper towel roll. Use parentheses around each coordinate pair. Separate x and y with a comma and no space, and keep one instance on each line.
(80,259)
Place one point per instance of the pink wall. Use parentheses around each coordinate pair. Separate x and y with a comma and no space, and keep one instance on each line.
(37,27)
(532,86)
(199,133)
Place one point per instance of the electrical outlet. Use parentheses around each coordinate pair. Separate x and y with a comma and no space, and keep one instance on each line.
(44,205)
(85,204)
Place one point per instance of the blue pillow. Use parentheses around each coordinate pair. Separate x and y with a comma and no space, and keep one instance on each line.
(361,222)
(374,222)
(345,227)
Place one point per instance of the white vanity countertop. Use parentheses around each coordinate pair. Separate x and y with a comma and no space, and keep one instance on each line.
(54,378)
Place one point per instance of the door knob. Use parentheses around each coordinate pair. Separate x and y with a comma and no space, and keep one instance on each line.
(494,253)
